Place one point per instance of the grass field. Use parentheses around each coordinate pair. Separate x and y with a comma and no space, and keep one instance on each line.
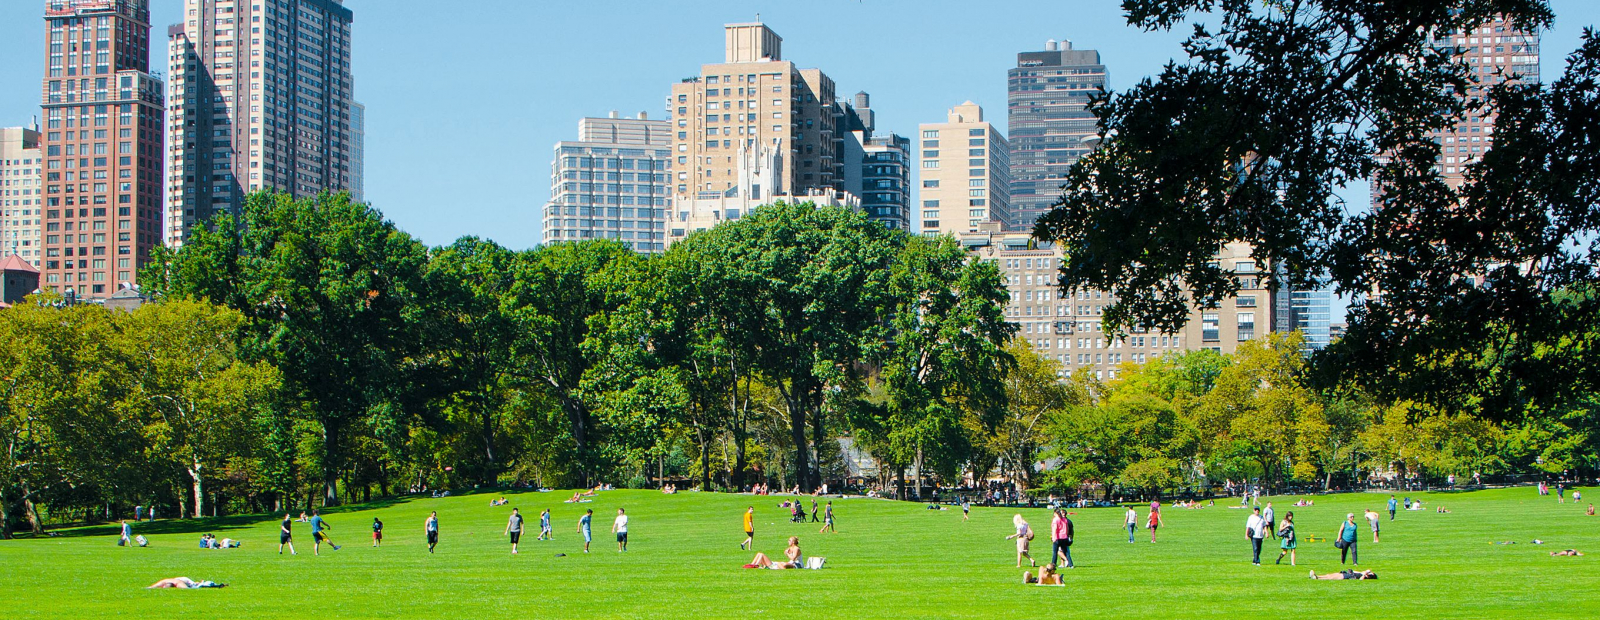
(889,560)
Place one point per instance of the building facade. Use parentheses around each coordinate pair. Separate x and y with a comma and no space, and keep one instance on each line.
(1065,326)
(358,152)
(612,183)
(1048,119)
(102,145)
(261,98)
(1311,312)
(754,100)
(1497,52)
(21,194)
(886,180)
(965,173)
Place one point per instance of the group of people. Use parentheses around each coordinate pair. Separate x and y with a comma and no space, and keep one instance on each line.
(209,541)
(1061,535)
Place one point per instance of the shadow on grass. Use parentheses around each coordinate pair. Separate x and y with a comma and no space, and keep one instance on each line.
(216,524)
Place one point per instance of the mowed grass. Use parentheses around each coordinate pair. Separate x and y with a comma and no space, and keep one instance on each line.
(889,560)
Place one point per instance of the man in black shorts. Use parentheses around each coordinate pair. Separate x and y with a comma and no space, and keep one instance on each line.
(431,526)
(514,528)
(285,536)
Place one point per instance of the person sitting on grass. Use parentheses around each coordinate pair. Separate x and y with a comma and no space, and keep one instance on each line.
(1047,576)
(1567,552)
(184,583)
(1591,510)
(1441,510)
(795,558)
(1360,575)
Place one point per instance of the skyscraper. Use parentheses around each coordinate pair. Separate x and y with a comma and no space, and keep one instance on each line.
(965,173)
(102,145)
(358,152)
(21,194)
(876,167)
(1311,313)
(1496,52)
(611,183)
(756,101)
(1048,118)
(261,98)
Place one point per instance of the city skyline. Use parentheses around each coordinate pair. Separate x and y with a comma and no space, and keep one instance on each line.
(429,142)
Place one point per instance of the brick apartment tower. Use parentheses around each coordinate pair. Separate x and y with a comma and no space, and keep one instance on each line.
(102,145)
(261,98)
(756,99)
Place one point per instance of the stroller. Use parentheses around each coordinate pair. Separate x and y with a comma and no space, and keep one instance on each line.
(797,514)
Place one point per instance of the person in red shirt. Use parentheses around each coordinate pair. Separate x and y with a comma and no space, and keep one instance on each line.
(1154,520)
(1061,537)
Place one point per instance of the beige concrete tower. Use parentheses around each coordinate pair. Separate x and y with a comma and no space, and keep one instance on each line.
(21,194)
(611,183)
(755,101)
(102,144)
(965,173)
(261,98)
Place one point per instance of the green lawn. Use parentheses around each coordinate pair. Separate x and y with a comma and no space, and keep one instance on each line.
(889,560)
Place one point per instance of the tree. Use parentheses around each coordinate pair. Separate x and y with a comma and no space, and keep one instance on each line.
(333,297)
(812,286)
(945,357)
(559,293)
(1284,103)
(1033,393)
(199,400)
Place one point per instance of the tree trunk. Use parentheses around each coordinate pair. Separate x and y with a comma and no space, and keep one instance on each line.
(491,470)
(818,435)
(797,432)
(199,496)
(701,437)
(35,524)
(330,466)
(5,518)
(919,472)
(899,482)
(578,417)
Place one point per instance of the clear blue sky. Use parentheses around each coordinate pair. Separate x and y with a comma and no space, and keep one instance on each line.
(465,99)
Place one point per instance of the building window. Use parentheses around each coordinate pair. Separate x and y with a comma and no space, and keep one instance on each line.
(1247,326)
(1208,327)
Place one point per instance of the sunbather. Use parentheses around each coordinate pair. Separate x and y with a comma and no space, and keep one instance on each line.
(1047,576)
(795,558)
(1346,574)
(184,583)
(1567,552)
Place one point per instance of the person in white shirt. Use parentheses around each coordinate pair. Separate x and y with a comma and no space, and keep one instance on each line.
(1255,529)
(620,526)
(1131,521)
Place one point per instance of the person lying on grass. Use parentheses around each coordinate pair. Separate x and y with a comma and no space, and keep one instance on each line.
(1360,575)
(796,559)
(1047,576)
(1567,552)
(184,583)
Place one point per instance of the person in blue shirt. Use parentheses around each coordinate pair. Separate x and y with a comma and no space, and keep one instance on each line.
(544,526)
(377,532)
(319,534)
(583,527)
(126,540)
(1391,507)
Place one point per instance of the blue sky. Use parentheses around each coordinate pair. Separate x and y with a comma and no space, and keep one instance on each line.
(465,99)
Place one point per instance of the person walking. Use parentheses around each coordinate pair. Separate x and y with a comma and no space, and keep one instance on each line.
(1253,527)
(1154,520)
(125,539)
(827,519)
(583,528)
(545,533)
(1373,519)
(1270,518)
(1286,539)
(514,529)
(749,529)
(1131,521)
(1561,492)
(138,512)
(286,535)
(430,528)
(377,532)
(620,527)
(966,509)
(1347,535)
(1061,538)
(1023,535)
(1392,506)
(814,511)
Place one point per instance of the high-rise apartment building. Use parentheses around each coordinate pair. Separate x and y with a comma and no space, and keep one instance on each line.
(1065,326)
(102,145)
(358,152)
(612,183)
(1311,312)
(1497,52)
(886,180)
(1048,120)
(753,101)
(21,194)
(261,98)
(966,180)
